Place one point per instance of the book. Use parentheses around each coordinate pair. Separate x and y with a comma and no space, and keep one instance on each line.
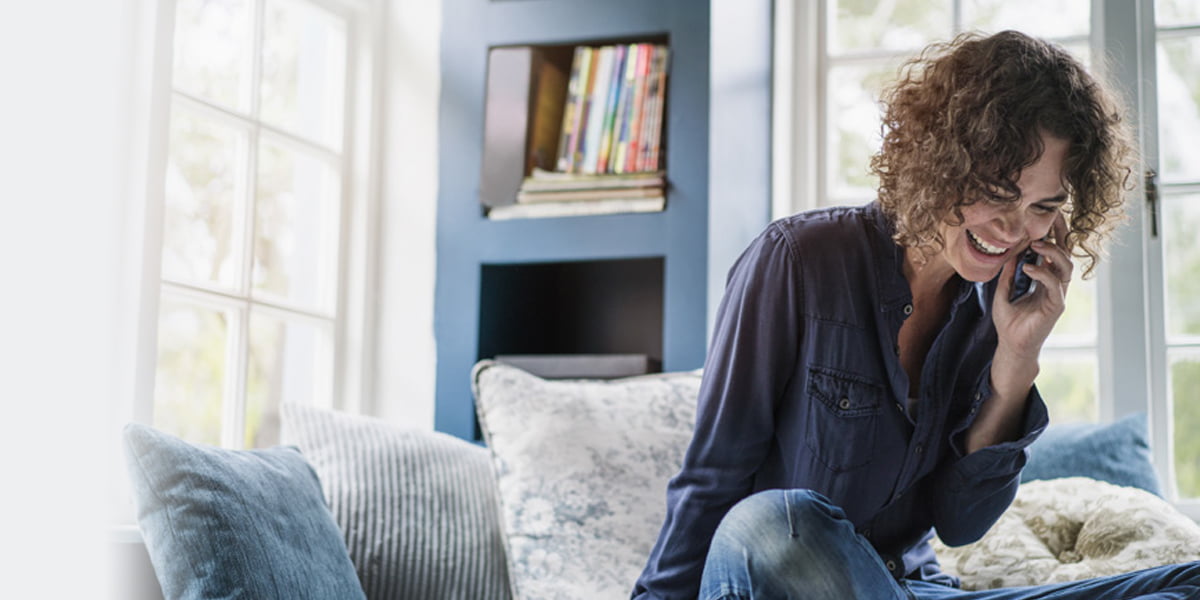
(634,145)
(588,82)
(652,122)
(571,110)
(610,112)
(625,110)
(659,108)
(597,104)
(569,208)
(586,195)
(550,181)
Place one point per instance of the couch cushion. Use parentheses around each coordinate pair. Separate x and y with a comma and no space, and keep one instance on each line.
(235,523)
(1073,528)
(417,508)
(1117,452)
(582,468)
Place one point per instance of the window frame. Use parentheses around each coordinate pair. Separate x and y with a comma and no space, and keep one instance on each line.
(353,310)
(1132,376)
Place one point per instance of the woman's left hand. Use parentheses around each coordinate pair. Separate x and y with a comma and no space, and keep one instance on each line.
(1022,326)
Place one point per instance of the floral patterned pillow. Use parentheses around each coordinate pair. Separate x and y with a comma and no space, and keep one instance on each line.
(582,468)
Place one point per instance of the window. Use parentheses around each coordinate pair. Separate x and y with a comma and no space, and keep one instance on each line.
(1177,55)
(262,236)
(1112,352)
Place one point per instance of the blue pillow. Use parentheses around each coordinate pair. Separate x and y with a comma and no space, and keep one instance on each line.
(235,523)
(1116,452)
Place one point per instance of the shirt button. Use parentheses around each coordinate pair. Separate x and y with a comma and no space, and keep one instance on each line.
(844,404)
(978,395)
(891,566)
(907,309)
(897,349)
(920,448)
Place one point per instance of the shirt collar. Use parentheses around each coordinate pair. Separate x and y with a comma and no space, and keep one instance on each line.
(891,285)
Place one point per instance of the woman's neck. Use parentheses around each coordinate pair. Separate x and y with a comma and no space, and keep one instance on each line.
(927,276)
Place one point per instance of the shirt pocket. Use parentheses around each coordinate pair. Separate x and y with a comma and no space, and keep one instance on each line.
(843,411)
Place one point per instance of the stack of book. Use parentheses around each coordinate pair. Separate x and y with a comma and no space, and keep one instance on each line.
(552,194)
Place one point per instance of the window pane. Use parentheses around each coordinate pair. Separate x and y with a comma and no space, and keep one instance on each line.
(854,121)
(1041,18)
(1179,109)
(290,361)
(1067,382)
(1176,12)
(1077,325)
(304,71)
(296,227)
(1185,398)
(891,25)
(1181,249)
(190,380)
(205,163)
(212,50)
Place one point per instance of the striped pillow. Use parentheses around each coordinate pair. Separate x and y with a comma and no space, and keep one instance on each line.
(417,509)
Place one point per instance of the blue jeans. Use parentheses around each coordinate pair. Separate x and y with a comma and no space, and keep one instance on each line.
(796,544)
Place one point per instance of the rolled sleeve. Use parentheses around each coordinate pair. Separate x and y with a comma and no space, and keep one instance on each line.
(975,489)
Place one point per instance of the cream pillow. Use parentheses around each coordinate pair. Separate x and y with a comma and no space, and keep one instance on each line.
(1073,528)
(582,468)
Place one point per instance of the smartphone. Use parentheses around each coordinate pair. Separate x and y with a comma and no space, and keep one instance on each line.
(1022,284)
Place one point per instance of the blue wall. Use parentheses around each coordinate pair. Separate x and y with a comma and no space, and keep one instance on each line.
(681,235)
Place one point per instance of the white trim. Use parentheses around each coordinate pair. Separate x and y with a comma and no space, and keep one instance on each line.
(783,98)
(355,342)
(215,296)
(248,123)
(150,165)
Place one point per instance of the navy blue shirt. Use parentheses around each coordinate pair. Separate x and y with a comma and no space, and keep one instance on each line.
(803,388)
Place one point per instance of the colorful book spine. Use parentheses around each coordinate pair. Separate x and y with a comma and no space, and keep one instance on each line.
(656,131)
(625,109)
(598,103)
(617,80)
(645,52)
(570,112)
(652,121)
(585,105)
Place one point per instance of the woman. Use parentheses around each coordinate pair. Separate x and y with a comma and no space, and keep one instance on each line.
(869,378)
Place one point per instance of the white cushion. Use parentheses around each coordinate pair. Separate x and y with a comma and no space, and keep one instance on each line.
(582,468)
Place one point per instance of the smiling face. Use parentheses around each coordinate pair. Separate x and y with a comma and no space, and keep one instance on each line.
(992,232)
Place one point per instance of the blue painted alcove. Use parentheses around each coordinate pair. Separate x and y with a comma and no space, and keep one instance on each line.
(694,240)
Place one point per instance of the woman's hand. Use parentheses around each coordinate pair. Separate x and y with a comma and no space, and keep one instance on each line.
(1022,326)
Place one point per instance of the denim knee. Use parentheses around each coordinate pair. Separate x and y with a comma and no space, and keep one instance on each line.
(778,526)
(792,544)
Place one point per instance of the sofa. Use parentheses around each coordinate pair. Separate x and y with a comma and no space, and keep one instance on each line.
(563,501)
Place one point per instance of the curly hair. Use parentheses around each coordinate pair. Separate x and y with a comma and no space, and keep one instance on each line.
(965,117)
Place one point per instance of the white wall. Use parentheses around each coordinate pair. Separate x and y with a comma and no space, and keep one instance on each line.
(403,385)
(65,207)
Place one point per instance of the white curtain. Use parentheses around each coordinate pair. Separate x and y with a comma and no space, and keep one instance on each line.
(73,100)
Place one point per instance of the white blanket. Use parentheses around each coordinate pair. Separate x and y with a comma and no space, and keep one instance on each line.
(1073,528)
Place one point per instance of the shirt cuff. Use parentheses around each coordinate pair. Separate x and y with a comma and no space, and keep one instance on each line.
(1006,458)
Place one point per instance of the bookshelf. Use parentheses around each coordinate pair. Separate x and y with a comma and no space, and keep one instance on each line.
(624,283)
(575,129)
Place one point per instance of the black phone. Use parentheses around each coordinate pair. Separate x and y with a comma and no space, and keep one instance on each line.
(1022,284)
